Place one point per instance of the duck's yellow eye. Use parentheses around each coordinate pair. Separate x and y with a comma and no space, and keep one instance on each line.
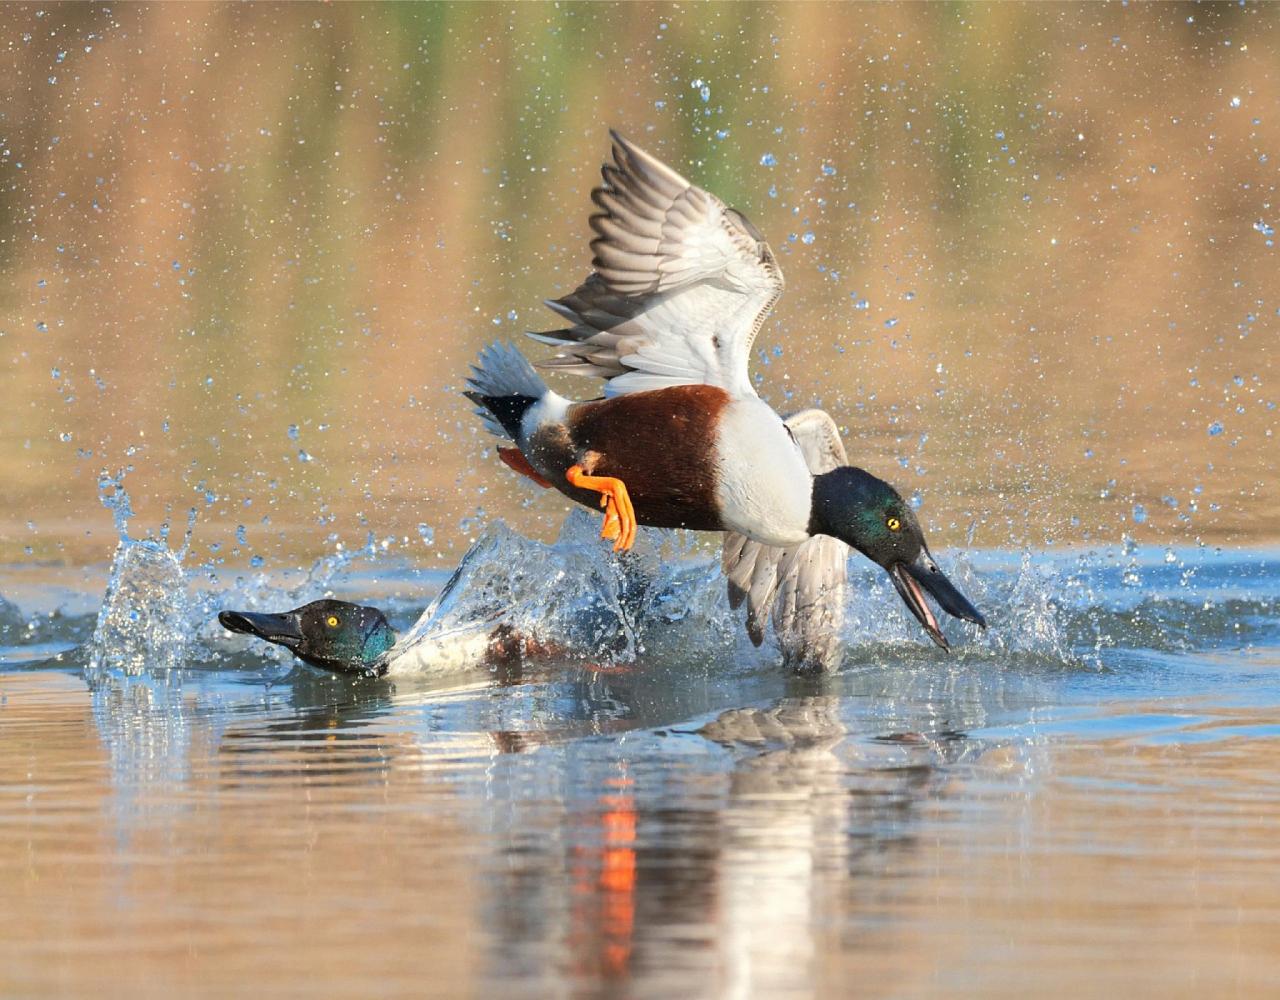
(332,621)
(893,524)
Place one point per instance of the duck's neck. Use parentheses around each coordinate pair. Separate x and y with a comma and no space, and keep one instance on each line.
(376,646)
(368,658)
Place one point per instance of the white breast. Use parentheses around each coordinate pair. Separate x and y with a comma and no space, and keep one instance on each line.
(765,489)
(449,652)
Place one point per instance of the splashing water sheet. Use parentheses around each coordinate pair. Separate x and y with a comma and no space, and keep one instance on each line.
(247,255)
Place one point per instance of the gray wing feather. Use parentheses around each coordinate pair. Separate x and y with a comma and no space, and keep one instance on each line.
(682,284)
(803,586)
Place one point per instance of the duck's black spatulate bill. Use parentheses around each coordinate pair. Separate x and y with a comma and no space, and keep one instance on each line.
(284,630)
(927,574)
(914,578)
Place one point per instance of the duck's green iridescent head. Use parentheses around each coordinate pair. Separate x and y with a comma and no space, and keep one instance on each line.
(334,635)
(868,514)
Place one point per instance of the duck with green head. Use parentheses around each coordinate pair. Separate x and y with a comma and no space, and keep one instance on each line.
(333,635)
(680,439)
(356,639)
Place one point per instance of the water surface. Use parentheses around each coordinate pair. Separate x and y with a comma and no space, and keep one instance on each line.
(1083,797)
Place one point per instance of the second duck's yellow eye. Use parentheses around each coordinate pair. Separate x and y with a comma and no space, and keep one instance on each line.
(893,524)
(332,621)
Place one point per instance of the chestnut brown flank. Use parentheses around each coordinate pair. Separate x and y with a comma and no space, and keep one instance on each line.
(660,443)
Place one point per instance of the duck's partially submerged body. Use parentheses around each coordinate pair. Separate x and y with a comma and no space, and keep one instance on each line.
(681,286)
(355,639)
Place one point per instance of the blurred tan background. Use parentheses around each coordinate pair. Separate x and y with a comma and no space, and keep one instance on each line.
(248,252)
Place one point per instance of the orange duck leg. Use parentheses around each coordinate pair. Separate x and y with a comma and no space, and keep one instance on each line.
(619,515)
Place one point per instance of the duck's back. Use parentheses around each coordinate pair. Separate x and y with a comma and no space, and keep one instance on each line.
(691,456)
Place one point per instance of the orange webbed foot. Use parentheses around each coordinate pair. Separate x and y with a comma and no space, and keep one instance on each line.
(620,516)
(612,527)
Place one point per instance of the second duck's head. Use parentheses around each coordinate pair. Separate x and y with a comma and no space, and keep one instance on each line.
(868,514)
(334,635)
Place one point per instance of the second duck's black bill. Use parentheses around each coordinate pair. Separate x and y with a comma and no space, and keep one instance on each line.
(280,629)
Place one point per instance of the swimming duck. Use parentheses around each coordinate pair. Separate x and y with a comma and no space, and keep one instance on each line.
(680,287)
(346,638)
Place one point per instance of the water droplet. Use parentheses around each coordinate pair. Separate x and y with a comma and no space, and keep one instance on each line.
(42,326)
(807,238)
(256,562)
(768,160)
(891,323)
(293,432)
(1235,102)
(1215,429)
(427,534)
(1139,513)
(64,437)
(828,170)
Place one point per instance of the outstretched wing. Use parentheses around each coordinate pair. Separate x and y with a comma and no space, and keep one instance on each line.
(803,585)
(681,286)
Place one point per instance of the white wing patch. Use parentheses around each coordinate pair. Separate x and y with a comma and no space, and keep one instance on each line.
(681,286)
(802,585)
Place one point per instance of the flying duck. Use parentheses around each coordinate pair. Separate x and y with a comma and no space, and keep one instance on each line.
(680,287)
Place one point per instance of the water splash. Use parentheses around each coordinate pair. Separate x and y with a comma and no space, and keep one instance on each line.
(574,595)
(664,602)
(152,615)
(143,622)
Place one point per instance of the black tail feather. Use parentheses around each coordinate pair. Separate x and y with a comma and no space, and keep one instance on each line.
(507,410)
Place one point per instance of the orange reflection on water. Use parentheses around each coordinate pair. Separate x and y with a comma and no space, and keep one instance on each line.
(604,880)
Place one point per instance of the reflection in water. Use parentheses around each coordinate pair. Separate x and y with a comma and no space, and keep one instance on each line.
(620,820)
(620,833)
(685,822)
(709,851)
(146,729)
